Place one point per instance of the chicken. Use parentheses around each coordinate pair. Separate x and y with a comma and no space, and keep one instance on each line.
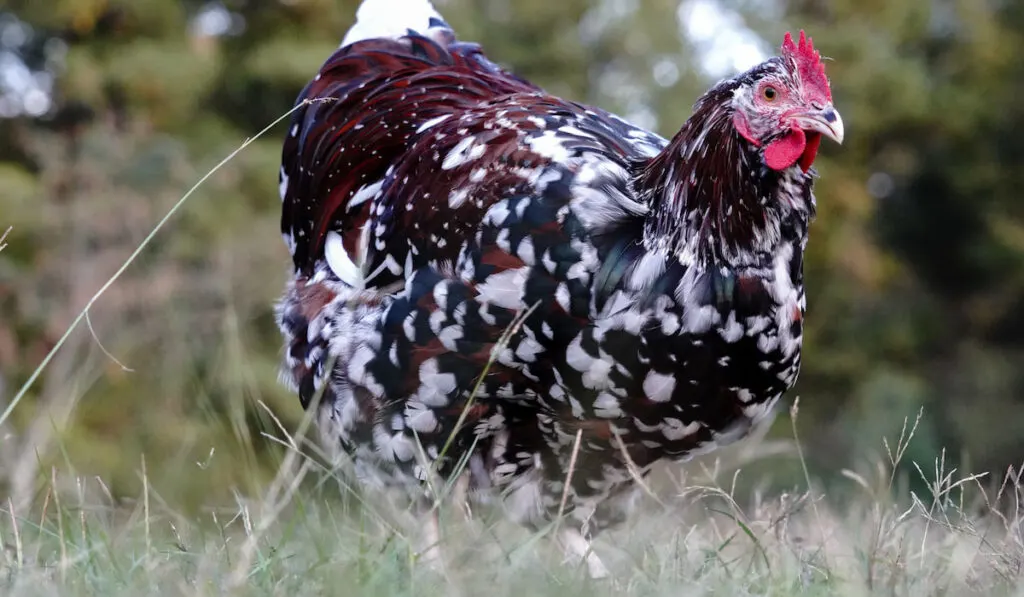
(492,279)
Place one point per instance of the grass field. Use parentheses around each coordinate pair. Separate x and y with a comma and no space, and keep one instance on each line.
(312,532)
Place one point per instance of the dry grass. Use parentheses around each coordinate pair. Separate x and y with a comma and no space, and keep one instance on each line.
(313,532)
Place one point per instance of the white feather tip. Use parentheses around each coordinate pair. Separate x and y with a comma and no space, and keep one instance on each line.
(340,263)
(392,18)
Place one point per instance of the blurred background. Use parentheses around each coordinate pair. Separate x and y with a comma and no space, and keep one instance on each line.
(111,109)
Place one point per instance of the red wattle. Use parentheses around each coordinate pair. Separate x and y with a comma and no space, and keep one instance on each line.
(811,152)
(784,152)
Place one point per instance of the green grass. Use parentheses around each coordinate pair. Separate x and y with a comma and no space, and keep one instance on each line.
(312,532)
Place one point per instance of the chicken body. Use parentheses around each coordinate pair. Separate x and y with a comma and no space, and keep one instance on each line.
(491,278)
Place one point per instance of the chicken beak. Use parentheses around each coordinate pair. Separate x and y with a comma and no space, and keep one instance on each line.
(826,121)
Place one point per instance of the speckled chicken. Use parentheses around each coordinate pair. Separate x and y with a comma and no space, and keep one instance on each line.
(493,279)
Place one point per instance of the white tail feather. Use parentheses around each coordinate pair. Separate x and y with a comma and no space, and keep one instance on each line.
(391,18)
(340,263)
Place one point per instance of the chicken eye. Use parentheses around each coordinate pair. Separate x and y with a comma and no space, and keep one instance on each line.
(769,93)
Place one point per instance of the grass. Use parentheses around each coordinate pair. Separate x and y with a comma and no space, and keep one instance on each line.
(313,531)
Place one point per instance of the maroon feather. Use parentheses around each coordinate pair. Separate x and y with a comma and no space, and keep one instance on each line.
(363,111)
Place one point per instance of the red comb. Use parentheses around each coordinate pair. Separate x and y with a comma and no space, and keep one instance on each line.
(808,64)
